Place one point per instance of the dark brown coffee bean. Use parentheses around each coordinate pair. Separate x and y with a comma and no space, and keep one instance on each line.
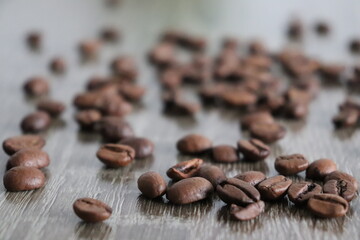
(29,157)
(36,122)
(346,118)
(109,34)
(332,72)
(91,210)
(249,212)
(210,94)
(354,46)
(274,187)
(37,86)
(163,55)
(212,173)
(143,147)
(271,101)
(125,67)
(256,117)
(23,179)
(253,150)
(338,175)
(252,177)
(113,105)
(224,154)
(88,118)
(52,107)
(296,110)
(238,98)
(34,40)
(57,65)
(113,129)
(189,190)
(342,188)
(185,169)
(170,78)
(295,29)
(322,28)
(174,105)
(291,164)
(132,93)
(89,49)
(115,155)
(299,193)
(328,205)
(87,100)
(193,144)
(151,185)
(236,191)
(319,169)
(267,132)
(14,144)
(97,82)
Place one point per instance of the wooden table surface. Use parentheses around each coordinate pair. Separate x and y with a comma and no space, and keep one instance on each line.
(75,172)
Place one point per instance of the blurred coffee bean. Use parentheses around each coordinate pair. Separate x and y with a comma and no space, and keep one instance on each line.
(14,144)
(37,86)
(224,154)
(36,122)
(52,107)
(193,144)
(29,157)
(143,147)
(114,129)
(88,118)
(57,65)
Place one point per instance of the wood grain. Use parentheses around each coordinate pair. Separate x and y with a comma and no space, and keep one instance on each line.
(75,172)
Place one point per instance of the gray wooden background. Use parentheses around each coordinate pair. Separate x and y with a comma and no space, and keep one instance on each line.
(75,172)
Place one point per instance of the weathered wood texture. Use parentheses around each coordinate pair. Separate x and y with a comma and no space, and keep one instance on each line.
(75,172)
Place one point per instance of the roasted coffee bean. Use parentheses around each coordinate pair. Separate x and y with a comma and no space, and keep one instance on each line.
(300,192)
(210,94)
(109,34)
(89,49)
(249,212)
(88,118)
(338,175)
(170,78)
(319,169)
(346,118)
(114,106)
(37,86)
(52,107)
(256,117)
(295,29)
(274,187)
(132,92)
(174,105)
(89,100)
(36,122)
(115,155)
(291,164)
(270,101)
(252,177)
(151,185)
(97,82)
(238,98)
(354,46)
(193,144)
(322,28)
(236,191)
(185,169)
(29,157)
(332,72)
(125,67)
(267,132)
(23,179)
(91,210)
(328,205)
(163,55)
(253,149)
(143,147)
(34,40)
(224,154)
(296,110)
(212,173)
(57,65)
(257,47)
(14,144)
(113,129)
(189,190)
(342,188)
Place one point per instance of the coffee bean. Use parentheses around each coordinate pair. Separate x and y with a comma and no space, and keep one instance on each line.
(115,155)
(249,212)
(151,185)
(14,144)
(143,147)
(257,47)
(171,78)
(34,40)
(36,86)
(291,164)
(342,188)
(322,28)
(36,122)
(319,169)
(23,179)
(253,149)
(97,82)
(270,101)
(354,46)
(338,175)
(87,100)
(212,173)
(256,117)
(113,129)
(300,192)
(89,49)
(162,55)
(346,118)
(125,67)
(109,34)
(29,157)
(295,29)
(210,94)
(91,210)
(332,72)
(132,92)
(189,190)
(224,154)
(57,65)
(267,132)
(185,169)
(252,177)
(230,43)
(52,107)
(193,144)
(236,191)
(328,205)
(88,118)
(295,110)
(238,98)
(274,188)
(174,105)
